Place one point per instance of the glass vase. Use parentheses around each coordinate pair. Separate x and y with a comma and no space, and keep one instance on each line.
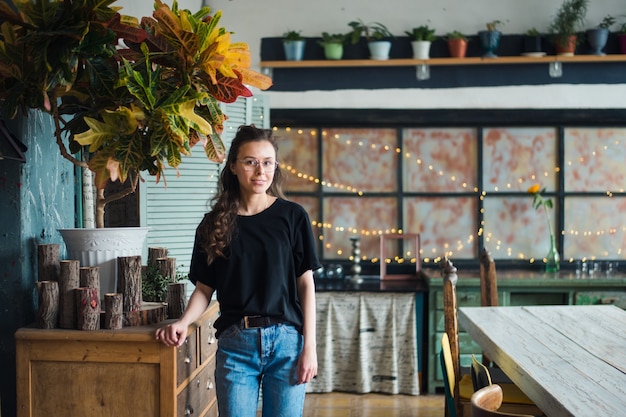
(553,259)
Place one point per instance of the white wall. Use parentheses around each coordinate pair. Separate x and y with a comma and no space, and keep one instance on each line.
(252,20)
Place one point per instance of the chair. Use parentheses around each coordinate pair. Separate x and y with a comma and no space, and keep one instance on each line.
(457,391)
(488,286)
(486,402)
(514,398)
(458,386)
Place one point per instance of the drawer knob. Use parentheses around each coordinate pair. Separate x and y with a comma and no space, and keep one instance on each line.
(187,359)
(197,383)
(188,410)
(209,384)
(211,339)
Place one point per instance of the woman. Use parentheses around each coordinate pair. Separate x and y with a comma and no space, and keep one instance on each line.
(257,251)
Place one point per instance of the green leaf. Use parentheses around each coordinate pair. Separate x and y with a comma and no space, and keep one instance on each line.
(98,134)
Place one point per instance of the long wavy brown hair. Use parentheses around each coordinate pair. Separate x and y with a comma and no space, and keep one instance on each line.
(219,227)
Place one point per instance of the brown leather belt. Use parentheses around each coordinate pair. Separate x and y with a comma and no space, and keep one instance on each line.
(255,322)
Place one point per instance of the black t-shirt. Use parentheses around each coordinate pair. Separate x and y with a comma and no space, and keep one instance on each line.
(269,250)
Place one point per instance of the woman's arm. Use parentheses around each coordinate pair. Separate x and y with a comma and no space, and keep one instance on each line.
(174,334)
(307,363)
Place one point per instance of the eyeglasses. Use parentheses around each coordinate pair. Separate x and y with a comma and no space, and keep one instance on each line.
(252,164)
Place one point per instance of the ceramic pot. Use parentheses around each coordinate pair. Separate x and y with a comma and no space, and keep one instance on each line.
(421,49)
(489,39)
(294,50)
(565,46)
(532,44)
(101,247)
(457,48)
(333,51)
(597,40)
(379,50)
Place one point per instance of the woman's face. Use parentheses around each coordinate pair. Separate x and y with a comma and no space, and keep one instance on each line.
(255,167)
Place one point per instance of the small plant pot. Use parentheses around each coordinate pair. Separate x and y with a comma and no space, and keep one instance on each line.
(457,48)
(379,50)
(565,46)
(489,40)
(532,44)
(294,50)
(597,40)
(421,49)
(333,51)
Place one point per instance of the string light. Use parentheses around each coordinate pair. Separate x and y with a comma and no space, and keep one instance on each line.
(431,167)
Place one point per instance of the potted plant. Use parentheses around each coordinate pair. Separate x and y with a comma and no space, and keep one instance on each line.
(457,44)
(132,96)
(333,45)
(421,39)
(377,36)
(569,19)
(598,36)
(533,43)
(293,44)
(490,39)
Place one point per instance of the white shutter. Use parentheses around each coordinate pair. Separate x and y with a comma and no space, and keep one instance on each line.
(173,211)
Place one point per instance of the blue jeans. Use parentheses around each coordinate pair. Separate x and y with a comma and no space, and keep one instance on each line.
(252,359)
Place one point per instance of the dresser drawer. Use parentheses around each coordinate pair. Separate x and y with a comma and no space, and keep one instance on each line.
(212,411)
(198,394)
(187,357)
(208,341)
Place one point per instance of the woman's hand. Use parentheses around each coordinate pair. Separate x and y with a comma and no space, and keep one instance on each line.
(173,334)
(307,365)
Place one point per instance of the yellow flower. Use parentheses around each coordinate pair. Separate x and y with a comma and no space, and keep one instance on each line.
(533,189)
(540,201)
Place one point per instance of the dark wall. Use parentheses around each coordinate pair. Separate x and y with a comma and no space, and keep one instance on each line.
(36,198)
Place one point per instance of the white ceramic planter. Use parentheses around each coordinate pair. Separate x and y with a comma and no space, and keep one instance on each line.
(379,50)
(101,247)
(421,49)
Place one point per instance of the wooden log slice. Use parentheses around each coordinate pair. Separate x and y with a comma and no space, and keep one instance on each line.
(87,308)
(68,282)
(48,262)
(129,281)
(90,277)
(155,253)
(176,300)
(113,311)
(149,313)
(48,311)
(167,267)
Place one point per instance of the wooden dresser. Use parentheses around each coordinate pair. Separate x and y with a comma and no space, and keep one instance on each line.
(125,372)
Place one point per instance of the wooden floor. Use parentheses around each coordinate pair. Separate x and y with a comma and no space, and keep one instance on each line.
(337,404)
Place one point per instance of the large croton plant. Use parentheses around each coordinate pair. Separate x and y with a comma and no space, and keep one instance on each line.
(133,95)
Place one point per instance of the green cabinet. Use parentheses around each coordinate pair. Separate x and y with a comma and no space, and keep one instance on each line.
(515,288)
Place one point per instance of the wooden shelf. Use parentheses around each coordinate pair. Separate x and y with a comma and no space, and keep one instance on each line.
(442,61)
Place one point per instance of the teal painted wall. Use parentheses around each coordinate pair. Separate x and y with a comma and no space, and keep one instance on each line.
(36,198)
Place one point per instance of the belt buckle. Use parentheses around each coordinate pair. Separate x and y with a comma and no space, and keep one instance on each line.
(246,321)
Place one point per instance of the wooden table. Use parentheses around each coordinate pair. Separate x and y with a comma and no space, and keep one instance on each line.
(570,360)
